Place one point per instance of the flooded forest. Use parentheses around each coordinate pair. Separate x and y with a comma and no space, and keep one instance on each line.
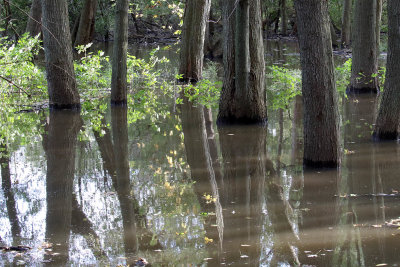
(199,133)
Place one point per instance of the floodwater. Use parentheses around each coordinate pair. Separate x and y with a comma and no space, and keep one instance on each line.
(179,191)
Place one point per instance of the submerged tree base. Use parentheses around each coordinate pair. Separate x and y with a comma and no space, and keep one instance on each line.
(65,106)
(226,121)
(361,90)
(384,136)
(310,164)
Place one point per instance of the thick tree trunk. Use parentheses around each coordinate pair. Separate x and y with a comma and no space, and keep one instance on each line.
(34,26)
(58,50)
(193,35)
(364,68)
(243,94)
(85,31)
(388,118)
(346,23)
(120,50)
(321,127)
(59,143)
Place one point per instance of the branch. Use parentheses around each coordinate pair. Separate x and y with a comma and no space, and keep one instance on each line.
(19,87)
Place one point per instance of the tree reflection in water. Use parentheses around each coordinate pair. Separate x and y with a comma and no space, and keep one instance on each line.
(59,143)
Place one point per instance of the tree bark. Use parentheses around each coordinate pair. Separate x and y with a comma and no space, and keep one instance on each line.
(34,26)
(120,50)
(321,127)
(364,68)
(388,119)
(193,35)
(85,32)
(346,23)
(243,95)
(58,51)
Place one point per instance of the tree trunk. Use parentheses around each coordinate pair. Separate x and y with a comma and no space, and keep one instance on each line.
(364,68)
(34,26)
(388,118)
(283,17)
(346,23)
(120,50)
(193,34)
(243,95)
(379,4)
(58,50)
(85,32)
(321,127)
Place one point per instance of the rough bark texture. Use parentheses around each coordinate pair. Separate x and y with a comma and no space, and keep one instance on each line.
(346,23)
(388,118)
(58,50)
(321,128)
(364,66)
(243,94)
(193,35)
(85,31)
(35,19)
(59,143)
(120,49)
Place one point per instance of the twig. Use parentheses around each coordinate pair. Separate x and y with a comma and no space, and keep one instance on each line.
(12,83)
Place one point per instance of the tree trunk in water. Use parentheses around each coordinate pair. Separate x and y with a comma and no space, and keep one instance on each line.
(120,50)
(58,50)
(59,143)
(346,23)
(34,26)
(364,68)
(283,18)
(321,127)
(193,34)
(84,34)
(388,118)
(243,95)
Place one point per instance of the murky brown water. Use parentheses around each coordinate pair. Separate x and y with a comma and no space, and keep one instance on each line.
(179,191)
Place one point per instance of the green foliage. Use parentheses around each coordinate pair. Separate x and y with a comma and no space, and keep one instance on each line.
(342,75)
(285,85)
(22,87)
